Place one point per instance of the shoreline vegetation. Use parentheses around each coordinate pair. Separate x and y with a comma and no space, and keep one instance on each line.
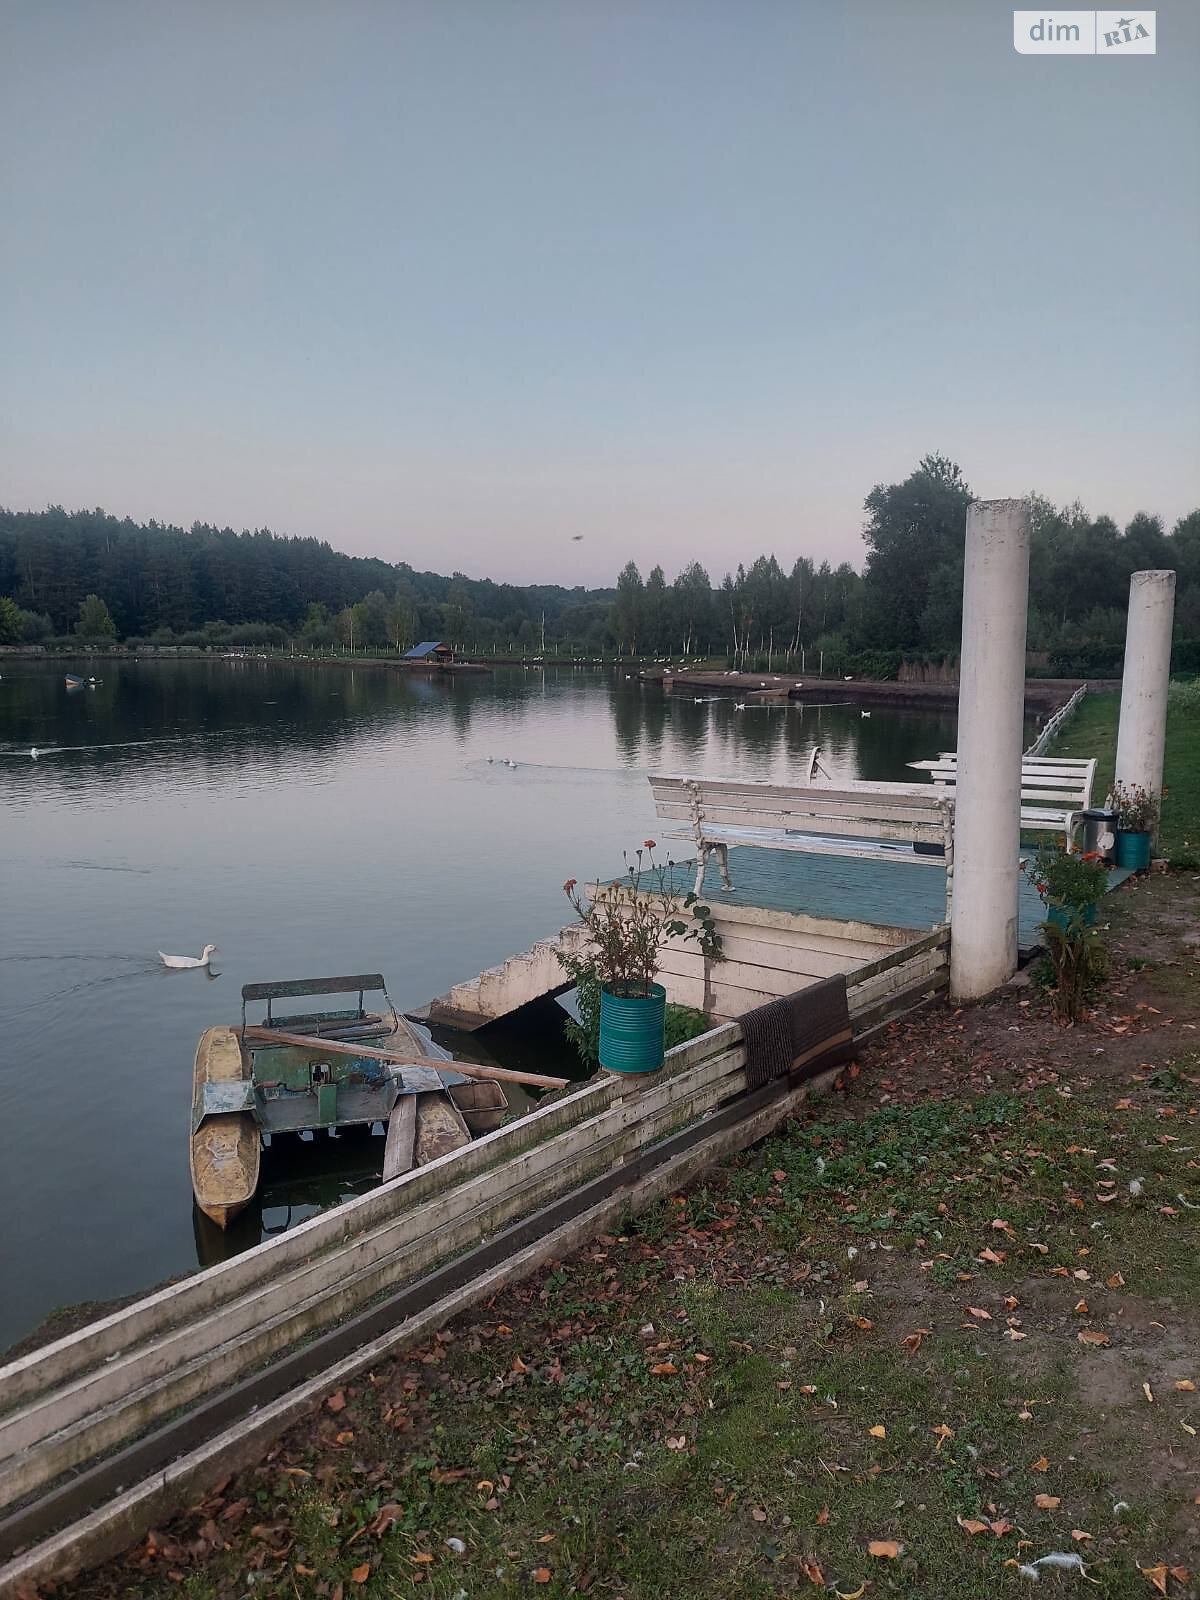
(71,578)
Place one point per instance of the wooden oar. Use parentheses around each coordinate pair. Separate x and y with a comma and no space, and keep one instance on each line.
(469,1069)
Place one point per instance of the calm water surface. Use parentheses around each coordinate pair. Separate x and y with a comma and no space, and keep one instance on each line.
(306,820)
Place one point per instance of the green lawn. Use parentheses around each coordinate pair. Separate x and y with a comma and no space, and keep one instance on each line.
(1092,731)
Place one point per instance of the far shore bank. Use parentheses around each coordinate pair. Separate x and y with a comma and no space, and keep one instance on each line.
(1042,695)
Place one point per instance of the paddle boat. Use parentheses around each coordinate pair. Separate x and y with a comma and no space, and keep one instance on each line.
(326,1069)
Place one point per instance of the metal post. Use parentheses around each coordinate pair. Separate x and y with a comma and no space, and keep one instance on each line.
(991,705)
(1142,729)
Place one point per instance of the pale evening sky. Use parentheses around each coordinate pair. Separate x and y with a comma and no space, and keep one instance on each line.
(452,281)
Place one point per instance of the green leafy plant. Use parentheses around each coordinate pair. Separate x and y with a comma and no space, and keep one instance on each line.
(1078,960)
(682,1022)
(1072,882)
(628,922)
(1137,808)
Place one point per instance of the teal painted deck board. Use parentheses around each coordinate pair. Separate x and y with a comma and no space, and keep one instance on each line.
(890,894)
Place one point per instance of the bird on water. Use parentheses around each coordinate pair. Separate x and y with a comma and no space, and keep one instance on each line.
(177,963)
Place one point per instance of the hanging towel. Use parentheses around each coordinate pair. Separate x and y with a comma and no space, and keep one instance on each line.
(804,1033)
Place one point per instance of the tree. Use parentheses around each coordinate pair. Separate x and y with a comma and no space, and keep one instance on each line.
(402,618)
(373,618)
(692,603)
(94,619)
(629,610)
(913,529)
(10,621)
(656,610)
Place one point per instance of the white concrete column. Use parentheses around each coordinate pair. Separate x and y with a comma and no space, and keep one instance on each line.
(991,711)
(1142,730)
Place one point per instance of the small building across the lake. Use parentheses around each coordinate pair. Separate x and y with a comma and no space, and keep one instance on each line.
(431,650)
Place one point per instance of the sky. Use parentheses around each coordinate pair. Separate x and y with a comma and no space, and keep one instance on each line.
(454,281)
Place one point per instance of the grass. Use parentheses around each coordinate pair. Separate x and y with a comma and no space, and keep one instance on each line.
(862,1331)
(1092,731)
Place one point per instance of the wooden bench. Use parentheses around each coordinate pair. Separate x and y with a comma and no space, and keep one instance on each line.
(1055,790)
(907,822)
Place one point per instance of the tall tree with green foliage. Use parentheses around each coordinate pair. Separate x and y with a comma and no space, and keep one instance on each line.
(629,611)
(913,529)
(94,620)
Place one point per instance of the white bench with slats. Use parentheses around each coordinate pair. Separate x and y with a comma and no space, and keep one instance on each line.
(1055,790)
(907,822)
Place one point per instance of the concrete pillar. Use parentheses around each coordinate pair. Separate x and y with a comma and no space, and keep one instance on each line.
(1142,729)
(991,710)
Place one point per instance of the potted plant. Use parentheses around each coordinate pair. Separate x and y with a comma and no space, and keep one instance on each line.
(1137,814)
(1070,886)
(628,922)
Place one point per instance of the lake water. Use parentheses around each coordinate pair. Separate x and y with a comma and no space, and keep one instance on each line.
(307,820)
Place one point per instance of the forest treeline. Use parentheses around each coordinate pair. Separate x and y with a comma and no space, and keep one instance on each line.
(86,574)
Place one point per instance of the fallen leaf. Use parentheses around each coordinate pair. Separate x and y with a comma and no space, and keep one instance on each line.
(1149,1393)
(361,1574)
(1157,1576)
(1047,1502)
(886,1549)
(1040,1465)
(856,1594)
(864,1323)
(758,1514)
(679,1443)
(1185,1386)
(664,1369)
(1081,1308)
(822,1516)
(1079,1535)
(1116,1281)
(1188,1429)
(943,1433)
(336,1401)
(545,1538)
(1014,1333)
(1001,1528)
(812,1571)
(878,1431)
(912,1341)
(979,1314)
(1092,1336)
(541,1574)
(996,1257)
(388,1516)
(970,1525)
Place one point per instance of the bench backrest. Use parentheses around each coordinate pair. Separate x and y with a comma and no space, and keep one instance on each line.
(917,813)
(1045,780)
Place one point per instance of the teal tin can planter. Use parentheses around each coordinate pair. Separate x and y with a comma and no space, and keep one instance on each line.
(1061,917)
(1133,850)
(632,1030)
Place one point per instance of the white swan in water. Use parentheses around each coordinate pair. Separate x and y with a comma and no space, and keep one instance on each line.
(177,962)
(864,713)
(34,753)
